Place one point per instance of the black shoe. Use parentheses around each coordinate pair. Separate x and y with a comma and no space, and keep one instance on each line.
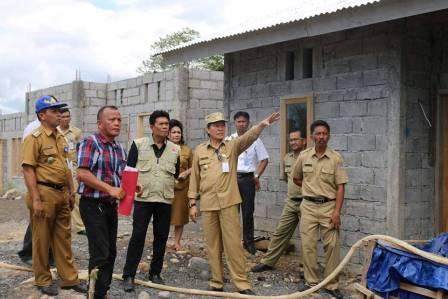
(332,293)
(215,289)
(128,284)
(79,288)
(156,278)
(27,260)
(261,268)
(302,286)
(51,290)
(82,232)
(247,292)
(251,248)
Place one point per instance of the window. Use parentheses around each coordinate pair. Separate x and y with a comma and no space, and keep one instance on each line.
(307,63)
(289,65)
(295,113)
(146,93)
(158,90)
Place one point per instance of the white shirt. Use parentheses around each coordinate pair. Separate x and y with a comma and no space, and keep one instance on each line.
(30,128)
(250,158)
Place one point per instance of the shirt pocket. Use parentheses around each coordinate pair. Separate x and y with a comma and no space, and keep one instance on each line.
(204,163)
(49,155)
(145,164)
(308,171)
(328,174)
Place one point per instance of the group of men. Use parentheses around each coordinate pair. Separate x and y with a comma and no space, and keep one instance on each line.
(225,173)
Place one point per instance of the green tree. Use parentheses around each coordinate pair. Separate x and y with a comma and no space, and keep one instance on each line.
(156,63)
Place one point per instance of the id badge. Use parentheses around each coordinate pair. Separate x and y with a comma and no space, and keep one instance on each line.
(225,167)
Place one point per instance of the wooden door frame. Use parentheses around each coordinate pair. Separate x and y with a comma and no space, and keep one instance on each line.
(438,171)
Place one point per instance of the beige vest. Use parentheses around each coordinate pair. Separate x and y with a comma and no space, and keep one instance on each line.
(156,175)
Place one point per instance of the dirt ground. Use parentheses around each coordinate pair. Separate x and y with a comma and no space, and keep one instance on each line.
(18,284)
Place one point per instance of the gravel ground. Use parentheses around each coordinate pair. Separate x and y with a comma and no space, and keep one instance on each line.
(13,284)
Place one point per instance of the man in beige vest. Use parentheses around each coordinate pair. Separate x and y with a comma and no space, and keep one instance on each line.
(319,171)
(72,136)
(157,160)
(291,211)
(214,176)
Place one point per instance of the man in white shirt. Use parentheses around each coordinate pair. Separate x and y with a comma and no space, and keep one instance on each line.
(251,165)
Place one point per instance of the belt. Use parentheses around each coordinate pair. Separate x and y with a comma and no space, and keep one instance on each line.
(298,199)
(320,199)
(52,185)
(102,200)
(245,174)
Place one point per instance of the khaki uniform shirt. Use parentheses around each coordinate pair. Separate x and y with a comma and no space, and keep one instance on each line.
(73,138)
(320,176)
(293,189)
(47,152)
(219,189)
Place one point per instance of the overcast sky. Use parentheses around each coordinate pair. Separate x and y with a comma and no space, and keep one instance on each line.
(43,42)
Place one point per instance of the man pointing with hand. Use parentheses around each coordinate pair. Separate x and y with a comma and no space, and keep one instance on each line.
(214,176)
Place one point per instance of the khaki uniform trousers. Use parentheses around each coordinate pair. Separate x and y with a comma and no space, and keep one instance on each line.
(283,232)
(317,217)
(53,231)
(77,224)
(222,232)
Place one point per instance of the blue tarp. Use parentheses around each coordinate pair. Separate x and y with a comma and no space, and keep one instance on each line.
(389,266)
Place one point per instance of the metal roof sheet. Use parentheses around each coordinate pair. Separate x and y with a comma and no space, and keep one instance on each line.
(307,9)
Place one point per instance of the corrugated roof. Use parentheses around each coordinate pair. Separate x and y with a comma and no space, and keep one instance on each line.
(307,9)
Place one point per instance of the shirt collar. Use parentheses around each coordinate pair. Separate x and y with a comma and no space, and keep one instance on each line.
(208,144)
(151,140)
(326,153)
(103,139)
(48,132)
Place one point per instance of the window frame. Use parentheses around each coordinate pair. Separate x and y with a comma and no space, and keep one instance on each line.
(284,102)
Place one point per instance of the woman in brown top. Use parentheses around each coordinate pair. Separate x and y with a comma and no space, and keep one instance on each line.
(179,208)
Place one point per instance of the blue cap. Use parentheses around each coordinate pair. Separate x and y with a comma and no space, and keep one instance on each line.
(46,102)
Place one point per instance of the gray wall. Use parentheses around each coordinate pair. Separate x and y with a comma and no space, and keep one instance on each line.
(365,84)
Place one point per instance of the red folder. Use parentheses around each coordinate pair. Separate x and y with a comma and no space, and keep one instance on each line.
(128,184)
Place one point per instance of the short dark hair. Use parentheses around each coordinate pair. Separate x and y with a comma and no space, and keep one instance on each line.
(302,135)
(319,123)
(176,123)
(241,114)
(63,110)
(100,112)
(156,114)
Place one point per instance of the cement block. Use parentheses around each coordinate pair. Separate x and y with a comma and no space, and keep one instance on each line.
(131,92)
(380,177)
(337,66)
(369,226)
(323,84)
(374,125)
(413,178)
(209,84)
(207,104)
(339,142)
(352,191)
(361,142)
(375,77)
(353,108)
(340,125)
(377,107)
(326,110)
(200,94)
(349,80)
(301,86)
(360,175)
(374,159)
(363,62)
(352,159)
(381,142)
(413,160)
(373,193)
(350,223)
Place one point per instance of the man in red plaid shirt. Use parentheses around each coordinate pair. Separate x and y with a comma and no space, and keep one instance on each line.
(101,162)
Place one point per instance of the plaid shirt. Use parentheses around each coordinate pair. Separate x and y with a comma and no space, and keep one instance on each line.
(105,160)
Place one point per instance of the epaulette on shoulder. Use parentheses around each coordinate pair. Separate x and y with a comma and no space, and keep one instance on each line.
(37,133)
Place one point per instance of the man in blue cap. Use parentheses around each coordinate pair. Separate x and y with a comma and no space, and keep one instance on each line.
(50,198)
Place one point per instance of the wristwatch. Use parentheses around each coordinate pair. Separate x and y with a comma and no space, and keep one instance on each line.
(191,204)
(256,176)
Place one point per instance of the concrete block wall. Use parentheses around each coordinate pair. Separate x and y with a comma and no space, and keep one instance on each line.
(354,72)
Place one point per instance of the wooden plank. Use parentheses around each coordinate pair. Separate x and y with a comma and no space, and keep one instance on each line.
(443,184)
(369,246)
(368,293)
(419,290)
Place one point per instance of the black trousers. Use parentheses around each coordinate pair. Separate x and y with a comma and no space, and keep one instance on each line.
(246,185)
(101,221)
(27,250)
(143,211)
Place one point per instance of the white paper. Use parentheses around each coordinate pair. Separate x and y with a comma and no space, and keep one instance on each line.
(131,169)
(225,166)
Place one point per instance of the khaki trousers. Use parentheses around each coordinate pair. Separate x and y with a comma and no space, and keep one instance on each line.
(283,232)
(317,217)
(222,232)
(77,224)
(53,231)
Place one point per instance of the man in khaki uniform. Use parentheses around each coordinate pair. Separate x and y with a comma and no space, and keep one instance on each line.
(291,211)
(72,136)
(214,176)
(319,171)
(50,199)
